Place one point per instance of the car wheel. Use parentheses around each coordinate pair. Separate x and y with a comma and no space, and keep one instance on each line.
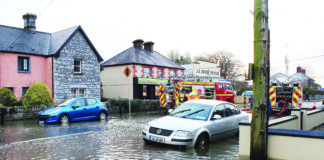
(202,141)
(228,100)
(102,116)
(64,119)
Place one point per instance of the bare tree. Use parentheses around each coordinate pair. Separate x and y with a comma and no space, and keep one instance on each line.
(179,59)
(229,66)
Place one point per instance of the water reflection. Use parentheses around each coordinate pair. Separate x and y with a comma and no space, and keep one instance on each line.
(113,139)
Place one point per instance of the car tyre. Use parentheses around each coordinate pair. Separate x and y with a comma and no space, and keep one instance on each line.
(228,100)
(202,141)
(102,116)
(64,119)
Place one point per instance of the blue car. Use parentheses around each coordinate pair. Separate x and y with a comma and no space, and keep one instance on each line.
(74,109)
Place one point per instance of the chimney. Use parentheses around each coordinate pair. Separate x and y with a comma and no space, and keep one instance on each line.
(298,69)
(138,44)
(303,71)
(148,46)
(29,22)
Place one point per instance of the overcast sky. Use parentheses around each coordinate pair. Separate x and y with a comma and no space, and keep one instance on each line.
(187,26)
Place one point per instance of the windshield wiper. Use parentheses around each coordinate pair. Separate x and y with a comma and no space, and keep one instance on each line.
(193,113)
(180,111)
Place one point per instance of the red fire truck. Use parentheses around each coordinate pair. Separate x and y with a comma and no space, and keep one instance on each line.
(179,88)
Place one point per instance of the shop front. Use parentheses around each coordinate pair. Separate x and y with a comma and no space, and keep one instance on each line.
(147,88)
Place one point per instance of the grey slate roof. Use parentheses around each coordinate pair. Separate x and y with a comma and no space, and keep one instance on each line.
(18,40)
(299,77)
(279,77)
(141,56)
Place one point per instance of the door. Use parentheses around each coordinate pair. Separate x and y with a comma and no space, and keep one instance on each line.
(218,126)
(220,92)
(78,110)
(232,116)
(92,108)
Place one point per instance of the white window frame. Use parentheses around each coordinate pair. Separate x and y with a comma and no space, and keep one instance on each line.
(172,75)
(161,75)
(77,66)
(78,92)
(145,72)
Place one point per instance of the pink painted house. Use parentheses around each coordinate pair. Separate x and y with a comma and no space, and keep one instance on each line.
(148,69)
(66,61)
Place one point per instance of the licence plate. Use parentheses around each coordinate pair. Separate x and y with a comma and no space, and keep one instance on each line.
(157,139)
(41,122)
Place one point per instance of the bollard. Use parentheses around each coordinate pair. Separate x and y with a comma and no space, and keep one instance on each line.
(2,115)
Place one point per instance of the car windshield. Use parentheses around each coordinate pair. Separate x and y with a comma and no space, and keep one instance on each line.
(193,111)
(65,103)
(247,93)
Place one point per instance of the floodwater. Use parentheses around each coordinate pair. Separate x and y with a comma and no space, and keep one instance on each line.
(117,138)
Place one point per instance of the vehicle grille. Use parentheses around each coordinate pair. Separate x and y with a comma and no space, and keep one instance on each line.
(43,117)
(164,132)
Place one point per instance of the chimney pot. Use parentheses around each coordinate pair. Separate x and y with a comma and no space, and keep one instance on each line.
(138,44)
(303,71)
(148,46)
(29,22)
(298,69)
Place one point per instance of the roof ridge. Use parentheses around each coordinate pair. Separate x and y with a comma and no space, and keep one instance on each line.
(23,29)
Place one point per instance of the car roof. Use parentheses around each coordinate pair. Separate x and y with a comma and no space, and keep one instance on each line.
(207,102)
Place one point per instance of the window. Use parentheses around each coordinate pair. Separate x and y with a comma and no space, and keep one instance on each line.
(24,90)
(23,64)
(91,101)
(160,73)
(219,110)
(230,110)
(77,66)
(78,92)
(220,86)
(79,103)
(10,88)
(229,87)
(172,73)
(147,72)
(144,90)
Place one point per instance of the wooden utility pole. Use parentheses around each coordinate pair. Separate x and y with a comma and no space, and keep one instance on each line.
(261,69)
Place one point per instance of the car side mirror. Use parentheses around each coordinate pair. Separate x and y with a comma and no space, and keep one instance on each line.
(216,116)
(74,107)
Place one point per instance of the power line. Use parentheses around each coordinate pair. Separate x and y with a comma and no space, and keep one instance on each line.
(299,59)
(45,8)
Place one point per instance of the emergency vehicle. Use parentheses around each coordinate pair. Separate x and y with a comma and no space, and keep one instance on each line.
(285,96)
(179,88)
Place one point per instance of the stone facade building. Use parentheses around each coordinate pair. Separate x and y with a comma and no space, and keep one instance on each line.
(66,61)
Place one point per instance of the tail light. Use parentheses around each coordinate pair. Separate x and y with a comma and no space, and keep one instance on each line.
(105,106)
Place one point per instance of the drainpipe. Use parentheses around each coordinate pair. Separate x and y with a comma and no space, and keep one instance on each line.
(53,77)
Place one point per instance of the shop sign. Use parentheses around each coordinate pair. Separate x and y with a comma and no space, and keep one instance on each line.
(152,81)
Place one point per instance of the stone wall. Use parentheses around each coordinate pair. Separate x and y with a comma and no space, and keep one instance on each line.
(64,77)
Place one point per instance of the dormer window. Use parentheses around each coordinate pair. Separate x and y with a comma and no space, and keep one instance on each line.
(77,66)
(147,72)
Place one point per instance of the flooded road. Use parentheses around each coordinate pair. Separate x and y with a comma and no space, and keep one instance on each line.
(118,138)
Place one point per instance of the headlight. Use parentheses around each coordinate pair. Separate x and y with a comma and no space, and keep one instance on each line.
(146,127)
(183,134)
(55,111)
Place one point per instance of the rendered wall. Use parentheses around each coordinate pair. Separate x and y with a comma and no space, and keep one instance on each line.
(40,71)
(288,145)
(115,83)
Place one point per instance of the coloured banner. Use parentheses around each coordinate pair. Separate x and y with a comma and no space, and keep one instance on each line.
(152,81)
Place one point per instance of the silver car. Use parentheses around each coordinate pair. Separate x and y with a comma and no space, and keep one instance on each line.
(195,123)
